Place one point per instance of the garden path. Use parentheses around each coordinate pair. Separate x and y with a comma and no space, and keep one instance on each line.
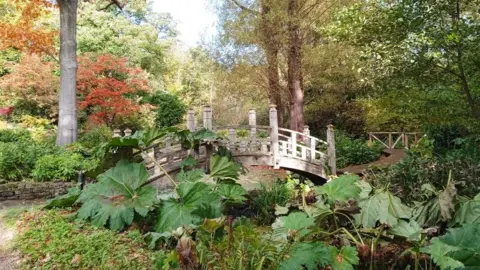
(393,156)
(9,258)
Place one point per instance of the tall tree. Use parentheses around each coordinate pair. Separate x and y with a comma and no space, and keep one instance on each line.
(295,77)
(67,113)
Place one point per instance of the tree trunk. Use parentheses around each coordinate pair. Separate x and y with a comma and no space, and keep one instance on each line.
(271,46)
(295,78)
(67,117)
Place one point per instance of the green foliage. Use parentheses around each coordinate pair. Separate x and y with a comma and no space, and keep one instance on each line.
(222,168)
(295,225)
(18,159)
(383,207)
(61,166)
(14,135)
(119,193)
(66,200)
(345,259)
(457,249)
(170,110)
(264,201)
(409,230)
(469,211)
(97,135)
(49,240)
(354,151)
(307,255)
(341,189)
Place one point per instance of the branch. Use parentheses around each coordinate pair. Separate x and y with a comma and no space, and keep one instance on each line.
(114,2)
(244,8)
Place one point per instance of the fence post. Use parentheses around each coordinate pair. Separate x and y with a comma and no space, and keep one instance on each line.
(127,132)
(332,159)
(207,117)
(191,120)
(274,134)
(390,142)
(116,133)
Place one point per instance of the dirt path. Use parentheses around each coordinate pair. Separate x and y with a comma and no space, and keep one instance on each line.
(9,259)
(394,156)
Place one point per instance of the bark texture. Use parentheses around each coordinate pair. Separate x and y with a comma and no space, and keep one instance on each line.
(271,45)
(67,117)
(295,77)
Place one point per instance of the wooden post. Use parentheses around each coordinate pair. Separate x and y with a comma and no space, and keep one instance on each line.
(127,132)
(274,134)
(406,140)
(307,141)
(116,133)
(390,142)
(207,117)
(191,120)
(370,139)
(332,159)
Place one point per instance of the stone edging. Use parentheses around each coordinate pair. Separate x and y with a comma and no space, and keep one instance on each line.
(30,191)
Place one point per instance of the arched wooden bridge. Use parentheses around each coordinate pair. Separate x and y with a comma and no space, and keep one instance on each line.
(262,146)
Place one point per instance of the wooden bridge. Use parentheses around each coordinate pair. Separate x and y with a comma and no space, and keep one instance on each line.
(262,146)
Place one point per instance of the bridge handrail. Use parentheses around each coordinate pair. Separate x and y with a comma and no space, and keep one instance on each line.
(393,138)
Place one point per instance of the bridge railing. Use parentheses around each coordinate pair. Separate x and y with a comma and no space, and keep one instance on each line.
(251,139)
(393,140)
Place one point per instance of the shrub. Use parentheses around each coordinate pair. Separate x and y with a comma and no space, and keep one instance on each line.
(61,166)
(28,121)
(96,136)
(49,241)
(354,151)
(14,135)
(170,109)
(264,201)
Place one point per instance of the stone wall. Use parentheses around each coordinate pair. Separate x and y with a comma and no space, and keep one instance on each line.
(30,191)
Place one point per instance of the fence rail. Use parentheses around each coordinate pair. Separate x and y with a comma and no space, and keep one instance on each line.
(393,140)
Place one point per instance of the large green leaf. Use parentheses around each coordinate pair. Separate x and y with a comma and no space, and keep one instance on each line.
(223,168)
(196,201)
(344,259)
(190,176)
(384,207)
(341,189)
(469,212)
(295,225)
(232,193)
(438,209)
(459,248)
(409,230)
(117,195)
(306,255)
(65,200)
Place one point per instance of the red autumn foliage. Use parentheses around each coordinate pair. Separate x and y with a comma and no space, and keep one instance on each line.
(108,88)
(6,111)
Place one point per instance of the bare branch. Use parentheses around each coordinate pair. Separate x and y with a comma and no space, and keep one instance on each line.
(116,3)
(244,8)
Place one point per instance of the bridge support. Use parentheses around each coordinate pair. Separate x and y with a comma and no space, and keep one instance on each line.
(274,135)
(332,159)
(191,120)
(207,117)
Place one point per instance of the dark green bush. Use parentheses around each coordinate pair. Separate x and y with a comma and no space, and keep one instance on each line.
(445,136)
(17,159)
(170,110)
(406,178)
(354,151)
(95,136)
(61,166)
(14,135)
(264,201)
